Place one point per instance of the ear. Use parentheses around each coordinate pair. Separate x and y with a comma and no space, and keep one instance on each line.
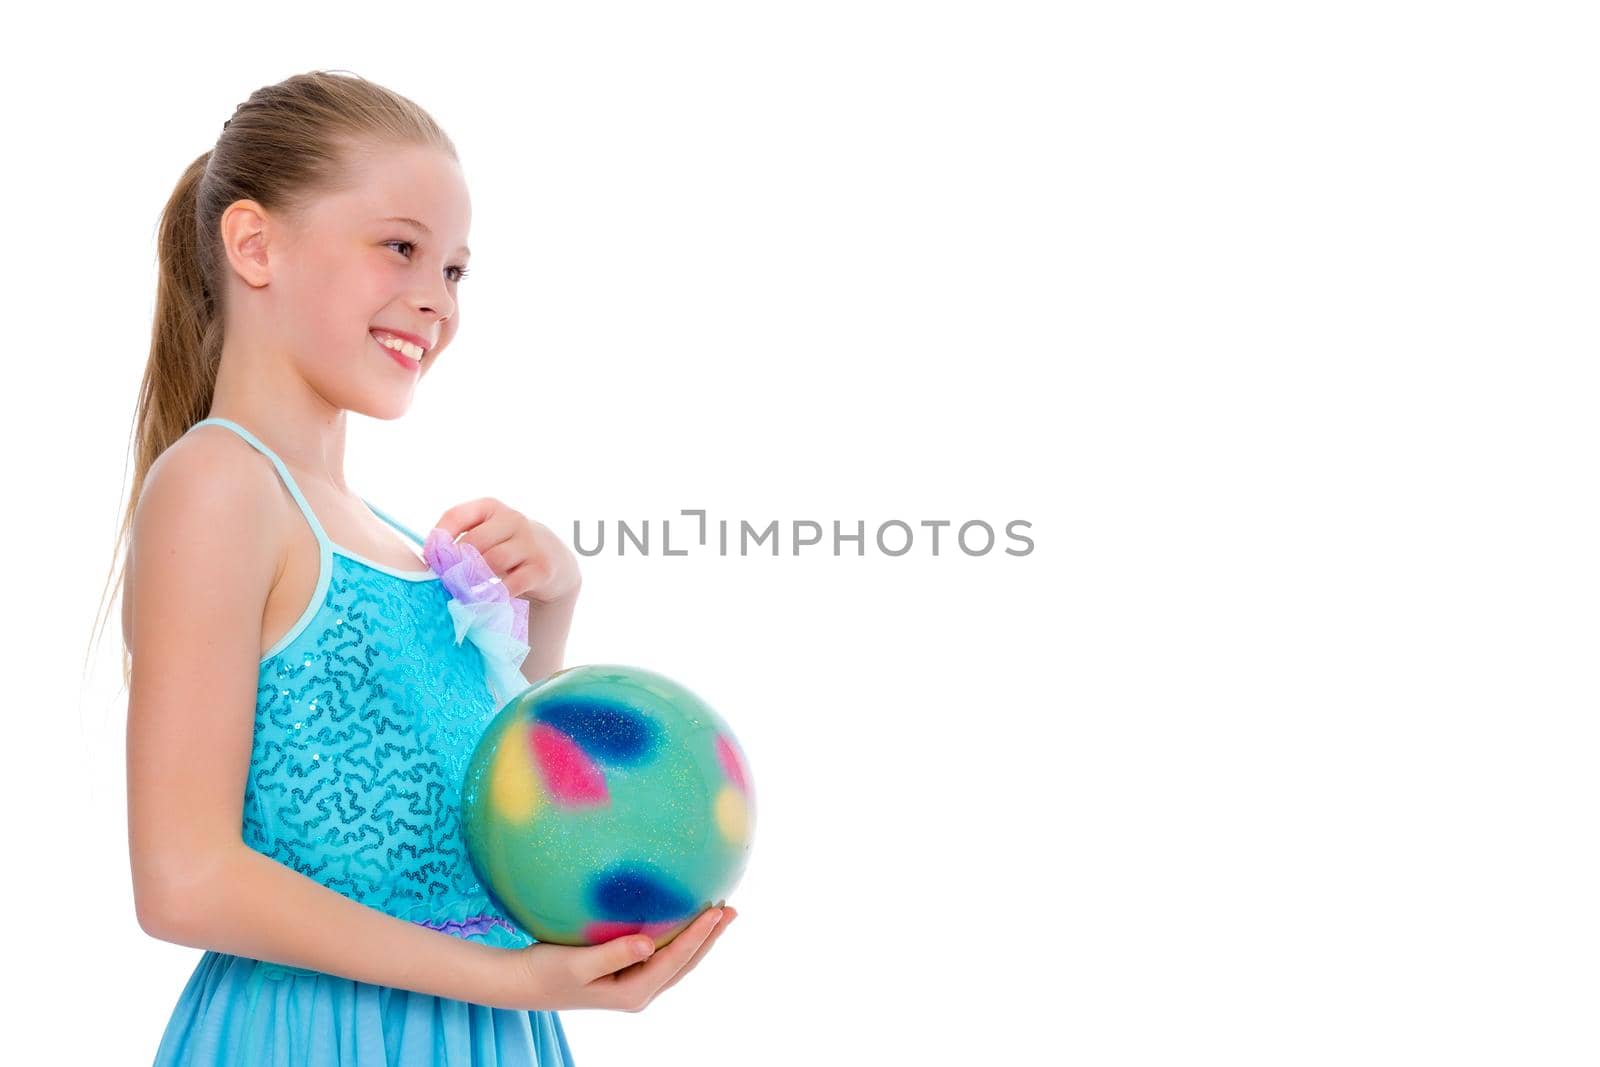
(245,229)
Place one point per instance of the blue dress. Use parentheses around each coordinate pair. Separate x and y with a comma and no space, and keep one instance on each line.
(367,712)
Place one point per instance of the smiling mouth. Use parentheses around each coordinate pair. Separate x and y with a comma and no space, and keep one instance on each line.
(398,344)
(406,363)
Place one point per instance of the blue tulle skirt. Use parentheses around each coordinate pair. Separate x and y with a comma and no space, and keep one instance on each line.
(241,1012)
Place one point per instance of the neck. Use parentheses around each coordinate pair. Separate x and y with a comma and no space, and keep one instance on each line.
(272,401)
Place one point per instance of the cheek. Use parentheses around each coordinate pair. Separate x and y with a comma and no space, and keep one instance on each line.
(332,297)
(330,325)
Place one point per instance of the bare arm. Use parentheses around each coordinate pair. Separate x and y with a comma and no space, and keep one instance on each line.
(256,907)
(548,626)
(205,553)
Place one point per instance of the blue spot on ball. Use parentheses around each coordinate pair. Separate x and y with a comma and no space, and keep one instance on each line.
(631,892)
(606,731)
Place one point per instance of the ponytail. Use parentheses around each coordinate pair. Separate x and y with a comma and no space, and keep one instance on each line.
(185,348)
(284,144)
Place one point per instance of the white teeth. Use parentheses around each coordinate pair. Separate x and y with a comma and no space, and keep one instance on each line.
(404,347)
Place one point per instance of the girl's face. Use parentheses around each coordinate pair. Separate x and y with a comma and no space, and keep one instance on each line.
(354,268)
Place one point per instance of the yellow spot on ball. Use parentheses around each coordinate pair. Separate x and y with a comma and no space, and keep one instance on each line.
(513,787)
(733,818)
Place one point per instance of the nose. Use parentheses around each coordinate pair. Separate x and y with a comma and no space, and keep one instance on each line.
(435,300)
(439,321)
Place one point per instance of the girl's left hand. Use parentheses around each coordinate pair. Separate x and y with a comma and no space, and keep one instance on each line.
(527,556)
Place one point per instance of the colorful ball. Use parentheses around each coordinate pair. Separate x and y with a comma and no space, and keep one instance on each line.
(607,800)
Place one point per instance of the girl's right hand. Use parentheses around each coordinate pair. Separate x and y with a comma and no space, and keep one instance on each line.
(614,974)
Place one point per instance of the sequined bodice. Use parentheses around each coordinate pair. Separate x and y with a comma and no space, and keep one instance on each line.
(367,712)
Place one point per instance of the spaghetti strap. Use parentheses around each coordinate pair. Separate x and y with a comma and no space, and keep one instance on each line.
(283,472)
(393,522)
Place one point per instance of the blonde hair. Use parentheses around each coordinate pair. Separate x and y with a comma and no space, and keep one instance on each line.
(286,145)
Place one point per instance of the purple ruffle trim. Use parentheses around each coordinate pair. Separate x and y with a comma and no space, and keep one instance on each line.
(469,578)
(482,610)
(478,924)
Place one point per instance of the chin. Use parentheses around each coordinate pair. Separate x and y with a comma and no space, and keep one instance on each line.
(390,413)
(386,408)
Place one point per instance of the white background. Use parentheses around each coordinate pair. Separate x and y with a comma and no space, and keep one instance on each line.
(1276,322)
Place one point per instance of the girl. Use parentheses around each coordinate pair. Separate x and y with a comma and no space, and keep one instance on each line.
(310,266)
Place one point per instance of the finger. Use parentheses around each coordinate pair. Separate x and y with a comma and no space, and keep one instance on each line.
(728,915)
(649,976)
(611,956)
(496,540)
(503,541)
(532,572)
(467,515)
(496,534)
(696,948)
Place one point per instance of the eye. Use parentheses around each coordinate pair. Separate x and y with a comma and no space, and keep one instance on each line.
(461,272)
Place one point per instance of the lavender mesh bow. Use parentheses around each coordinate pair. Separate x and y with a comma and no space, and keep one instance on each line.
(484,612)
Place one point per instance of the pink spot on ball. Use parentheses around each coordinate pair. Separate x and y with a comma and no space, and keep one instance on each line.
(570,776)
(732,765)
(597,932)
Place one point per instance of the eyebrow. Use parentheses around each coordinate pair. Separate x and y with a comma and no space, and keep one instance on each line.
(464,250)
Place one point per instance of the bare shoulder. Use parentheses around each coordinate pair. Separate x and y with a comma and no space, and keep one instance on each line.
(214,504)
(207,533)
